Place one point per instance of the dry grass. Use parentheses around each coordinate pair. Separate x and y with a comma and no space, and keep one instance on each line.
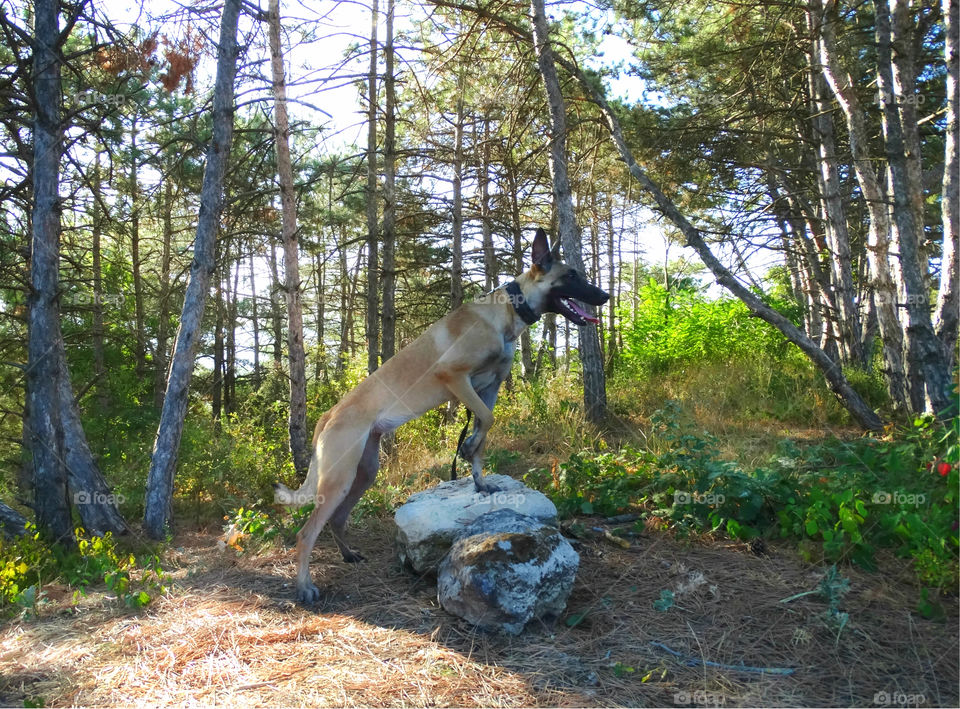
(229,634)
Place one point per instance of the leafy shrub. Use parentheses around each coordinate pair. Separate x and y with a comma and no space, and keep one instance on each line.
(28,562)
(840,499)
(677,326)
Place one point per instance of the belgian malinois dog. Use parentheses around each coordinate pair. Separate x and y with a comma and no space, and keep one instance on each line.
(464,356)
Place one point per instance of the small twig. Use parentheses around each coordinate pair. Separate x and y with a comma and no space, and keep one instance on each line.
(694,661)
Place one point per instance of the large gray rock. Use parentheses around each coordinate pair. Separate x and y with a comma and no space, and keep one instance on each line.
(506,570)
(429,521)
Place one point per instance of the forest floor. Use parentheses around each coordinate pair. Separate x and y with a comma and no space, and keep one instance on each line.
(228,633)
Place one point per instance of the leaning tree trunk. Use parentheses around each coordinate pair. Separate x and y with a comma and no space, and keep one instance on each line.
(159,497)
(858,408)
(594,380)
(948,296)
(297,422)
(12,523)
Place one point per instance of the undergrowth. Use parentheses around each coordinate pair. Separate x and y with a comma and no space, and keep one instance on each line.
(29,565)
(838,500)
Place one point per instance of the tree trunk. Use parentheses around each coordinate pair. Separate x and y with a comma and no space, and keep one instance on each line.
(928,379)
(319,274)
(850,399)
(89,491)
(879,227)
(140,342)
(296,357)
(948,295)
(217,383)
(255,321)
(373,259)
(389,318)
(44,338)
(526,346)
(847,318)
(594,380)
(12,523)
(345,304)
(163,326)
(159,496)
(99,363)
(456,263)
(276,316)
(491,274)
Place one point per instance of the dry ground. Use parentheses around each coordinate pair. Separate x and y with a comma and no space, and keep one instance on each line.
(229,634)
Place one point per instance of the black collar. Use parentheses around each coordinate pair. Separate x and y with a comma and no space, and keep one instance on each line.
(519,303)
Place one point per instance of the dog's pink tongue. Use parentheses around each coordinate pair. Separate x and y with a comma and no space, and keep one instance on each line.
(583,314)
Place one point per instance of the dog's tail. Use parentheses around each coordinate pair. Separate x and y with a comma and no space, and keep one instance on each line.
(306,493)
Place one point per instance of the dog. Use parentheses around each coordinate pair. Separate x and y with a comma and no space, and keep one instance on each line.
(464,356)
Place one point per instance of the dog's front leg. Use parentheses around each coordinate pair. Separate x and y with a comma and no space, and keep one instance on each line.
(472,447)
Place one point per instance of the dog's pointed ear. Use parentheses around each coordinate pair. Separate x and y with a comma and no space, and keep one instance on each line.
(542,255)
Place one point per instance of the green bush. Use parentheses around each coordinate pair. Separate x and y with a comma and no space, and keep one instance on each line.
(839,500)
(678,326)
(27,563)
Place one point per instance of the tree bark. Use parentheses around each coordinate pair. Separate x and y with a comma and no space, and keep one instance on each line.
(373,259)
(928,379)
(389,317)
(835,218)
(12,523)
(255,321)
(850,399)
(526,346)
(456,263)
(948,295)
(163,306)
(99,363)
(594,380)
(296,357)
(159,496)
(140,341)
(45,340)
(491,276)
(878,237)
(276,316)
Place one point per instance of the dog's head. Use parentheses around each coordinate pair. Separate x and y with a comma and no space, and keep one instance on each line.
(561,285)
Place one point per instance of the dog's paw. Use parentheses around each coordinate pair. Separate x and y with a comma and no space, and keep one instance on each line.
(485,488)
(307,594)
(353,557)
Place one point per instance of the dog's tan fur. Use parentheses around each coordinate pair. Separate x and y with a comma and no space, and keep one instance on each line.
(464,356)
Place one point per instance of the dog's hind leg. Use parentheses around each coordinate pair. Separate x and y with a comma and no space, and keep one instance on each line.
(472,448)
(366,476)
(343,449)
